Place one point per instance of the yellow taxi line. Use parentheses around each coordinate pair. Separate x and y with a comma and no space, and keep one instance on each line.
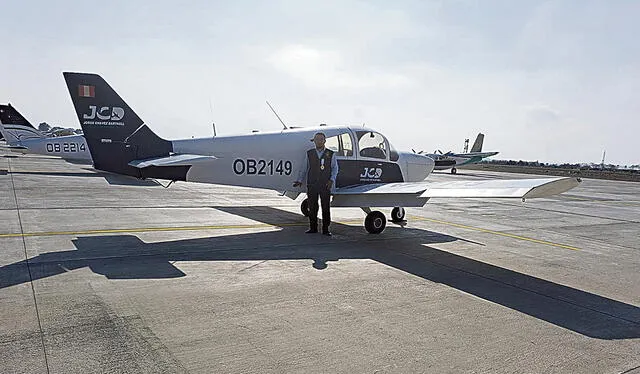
(139,229)
(499,233)
(261,225)
(158,229)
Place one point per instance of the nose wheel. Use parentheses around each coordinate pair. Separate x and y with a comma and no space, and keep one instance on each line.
(397,214)
(375,222)
(304,207)
(454,170)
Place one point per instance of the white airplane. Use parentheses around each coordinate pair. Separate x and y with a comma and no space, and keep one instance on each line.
(450,160)
(372,173)
(22,137)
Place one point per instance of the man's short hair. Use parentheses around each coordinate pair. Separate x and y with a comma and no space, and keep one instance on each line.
(318,133)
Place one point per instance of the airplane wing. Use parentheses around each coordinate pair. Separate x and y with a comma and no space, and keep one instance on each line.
(418,193)
(502,188)
(172,160)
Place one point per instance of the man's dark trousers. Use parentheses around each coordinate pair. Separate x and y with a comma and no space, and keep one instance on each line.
(313,192)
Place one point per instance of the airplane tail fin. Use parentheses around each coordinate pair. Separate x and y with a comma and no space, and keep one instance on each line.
(115,134)
(477,145)
(14,127)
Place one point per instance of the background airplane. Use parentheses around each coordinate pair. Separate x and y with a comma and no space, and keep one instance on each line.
(451,160)
(372,173)
(22,137)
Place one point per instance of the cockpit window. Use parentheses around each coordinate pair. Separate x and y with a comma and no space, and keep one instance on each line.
(347,146)
(393,153)
(371,144)
(332,143)
(340,144)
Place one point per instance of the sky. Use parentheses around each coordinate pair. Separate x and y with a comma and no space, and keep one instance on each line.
(553,81)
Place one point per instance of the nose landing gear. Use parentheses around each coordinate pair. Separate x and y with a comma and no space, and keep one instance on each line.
(397,214)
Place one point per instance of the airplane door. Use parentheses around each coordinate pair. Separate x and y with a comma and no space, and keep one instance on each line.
(367,161)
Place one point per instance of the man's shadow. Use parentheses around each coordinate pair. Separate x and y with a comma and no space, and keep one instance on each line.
(406,249)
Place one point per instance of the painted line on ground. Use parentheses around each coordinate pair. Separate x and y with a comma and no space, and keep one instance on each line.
(499,233)
(161,229)
(263,225)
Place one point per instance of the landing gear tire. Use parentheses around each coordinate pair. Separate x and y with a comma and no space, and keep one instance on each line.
(454,170)
(397,214)
(304,207)
(375,222)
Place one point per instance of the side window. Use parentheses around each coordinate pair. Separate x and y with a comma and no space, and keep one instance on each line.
(347,146)
(332,143)
(372,145)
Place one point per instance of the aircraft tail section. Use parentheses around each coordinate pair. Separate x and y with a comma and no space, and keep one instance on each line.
(477,145)
(115,134)
(14,127)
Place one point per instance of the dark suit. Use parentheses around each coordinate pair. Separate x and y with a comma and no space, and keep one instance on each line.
(318,175)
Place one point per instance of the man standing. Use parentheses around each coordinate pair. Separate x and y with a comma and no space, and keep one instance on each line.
(320,172)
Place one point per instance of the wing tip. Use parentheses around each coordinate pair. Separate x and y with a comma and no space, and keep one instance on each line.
(553,187)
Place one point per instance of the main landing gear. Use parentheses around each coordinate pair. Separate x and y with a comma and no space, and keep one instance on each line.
(304,207)
(375,221)
(454,170)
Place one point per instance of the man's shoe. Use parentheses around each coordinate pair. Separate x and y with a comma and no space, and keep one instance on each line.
(311,231)
(327,233)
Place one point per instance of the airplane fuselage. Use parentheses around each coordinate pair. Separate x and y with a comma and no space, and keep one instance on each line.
(449,160)
(273,160)
(71,147)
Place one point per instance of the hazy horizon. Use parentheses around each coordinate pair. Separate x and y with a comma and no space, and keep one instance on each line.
(547,81)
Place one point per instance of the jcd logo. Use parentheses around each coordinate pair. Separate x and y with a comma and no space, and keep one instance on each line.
(371,173)
(105,113)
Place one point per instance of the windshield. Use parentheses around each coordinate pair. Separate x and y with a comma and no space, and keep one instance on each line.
(371,144)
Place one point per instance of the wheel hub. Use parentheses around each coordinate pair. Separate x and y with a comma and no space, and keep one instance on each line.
(377,223)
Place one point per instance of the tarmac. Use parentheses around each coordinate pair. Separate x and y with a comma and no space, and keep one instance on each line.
(104,274)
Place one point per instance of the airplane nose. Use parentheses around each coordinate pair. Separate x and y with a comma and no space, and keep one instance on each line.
(430,164)
(418,166)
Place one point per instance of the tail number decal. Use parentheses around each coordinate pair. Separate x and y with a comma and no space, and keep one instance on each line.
(66,147)
(261,167)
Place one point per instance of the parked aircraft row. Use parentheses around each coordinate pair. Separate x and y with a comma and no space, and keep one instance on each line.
(21,136)
(372,173)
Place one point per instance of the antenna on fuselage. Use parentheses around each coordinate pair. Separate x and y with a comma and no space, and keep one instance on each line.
(279,119)
(212,123)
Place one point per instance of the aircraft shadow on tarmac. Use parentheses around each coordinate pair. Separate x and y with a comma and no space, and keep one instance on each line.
(406,249)
(112,179)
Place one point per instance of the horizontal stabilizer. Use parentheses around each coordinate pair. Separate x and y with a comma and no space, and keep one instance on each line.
(172,160)
(507,188)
